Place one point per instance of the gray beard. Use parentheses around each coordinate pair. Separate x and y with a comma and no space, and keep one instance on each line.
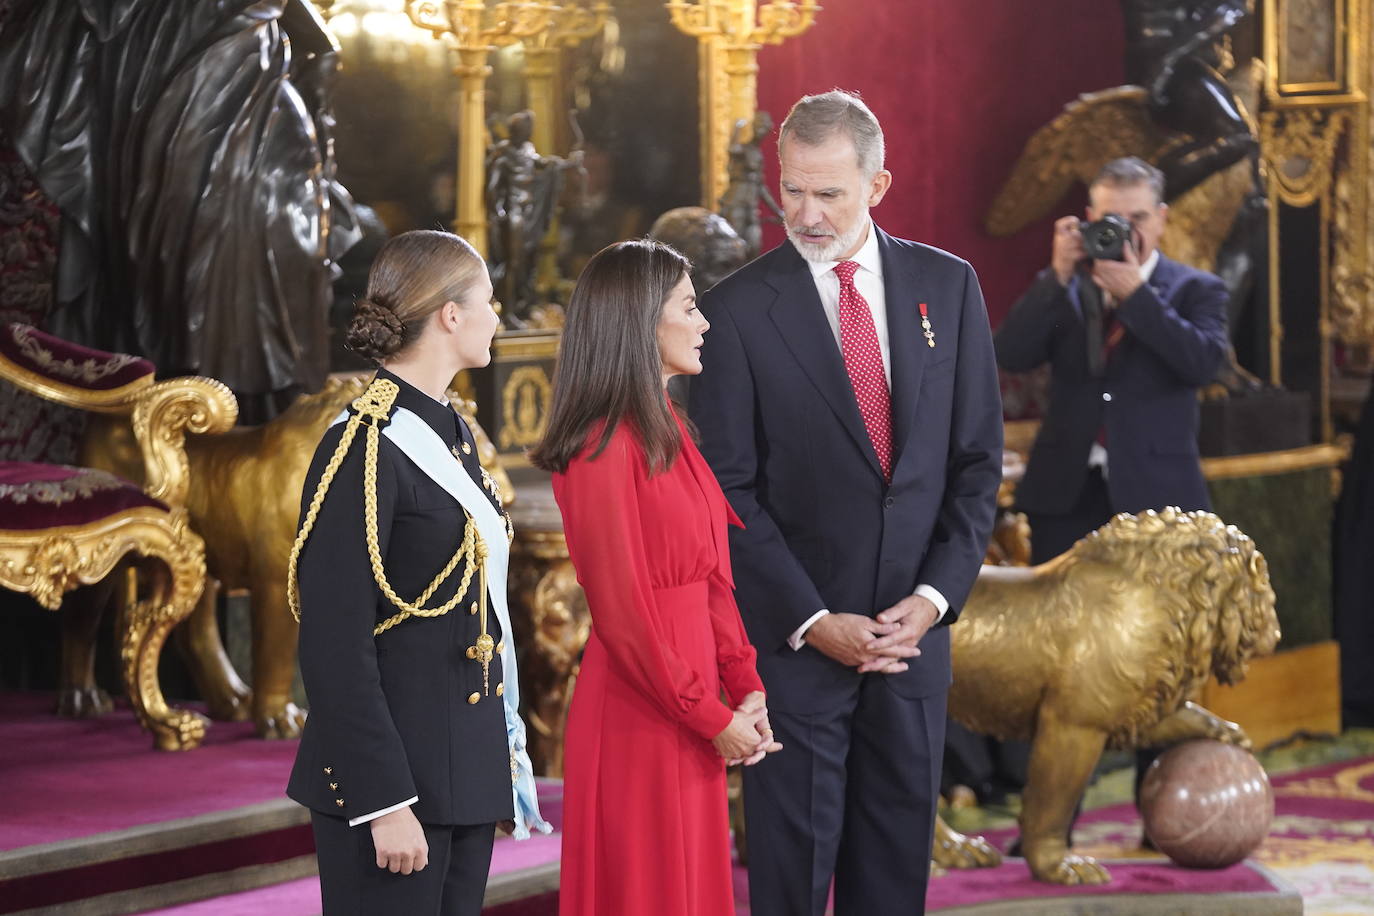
(830,252)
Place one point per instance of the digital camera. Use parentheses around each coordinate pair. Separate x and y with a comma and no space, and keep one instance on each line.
(1107,238)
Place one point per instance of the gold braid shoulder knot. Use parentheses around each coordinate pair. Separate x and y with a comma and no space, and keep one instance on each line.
(373,407)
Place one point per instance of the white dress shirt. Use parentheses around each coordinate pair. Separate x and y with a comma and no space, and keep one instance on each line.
(868,280)
(355,821)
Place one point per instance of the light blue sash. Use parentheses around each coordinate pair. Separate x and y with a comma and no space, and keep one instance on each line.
(423,446)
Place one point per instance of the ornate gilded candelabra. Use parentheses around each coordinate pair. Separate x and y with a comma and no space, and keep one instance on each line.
(729,35)
(570,27)
(473,30)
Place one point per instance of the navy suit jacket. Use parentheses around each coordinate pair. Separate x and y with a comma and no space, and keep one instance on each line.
(1146,397)
(391,716)
(781,428)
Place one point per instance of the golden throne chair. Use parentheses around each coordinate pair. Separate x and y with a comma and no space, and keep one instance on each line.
(62,527)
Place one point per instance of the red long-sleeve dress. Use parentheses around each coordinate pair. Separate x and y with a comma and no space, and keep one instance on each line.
(646,829)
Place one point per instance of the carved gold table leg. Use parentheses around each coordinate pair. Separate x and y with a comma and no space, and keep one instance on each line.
(174,572)
(50,563)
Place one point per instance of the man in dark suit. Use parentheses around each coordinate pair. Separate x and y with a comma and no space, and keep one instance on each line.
(849,407)
(1129,343)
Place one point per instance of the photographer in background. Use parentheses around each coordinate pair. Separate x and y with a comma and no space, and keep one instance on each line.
(1130,337)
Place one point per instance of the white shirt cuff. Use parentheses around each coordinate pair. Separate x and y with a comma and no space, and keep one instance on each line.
(355,821)
(797,637)
(933,595)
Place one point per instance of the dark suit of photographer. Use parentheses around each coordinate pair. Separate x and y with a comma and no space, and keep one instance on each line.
(1129,342)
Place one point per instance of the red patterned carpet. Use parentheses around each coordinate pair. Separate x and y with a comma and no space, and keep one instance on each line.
(69,779)
(1321,843)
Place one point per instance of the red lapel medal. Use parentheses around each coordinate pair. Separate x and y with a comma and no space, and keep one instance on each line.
(925,326)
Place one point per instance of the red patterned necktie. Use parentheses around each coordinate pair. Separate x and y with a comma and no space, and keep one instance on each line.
(864,361)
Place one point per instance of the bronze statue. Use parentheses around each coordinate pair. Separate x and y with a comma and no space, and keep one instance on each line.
(1176,51)
(197,198)
(1172,50)
(1102,647)
(706,239)
(739,204)
(522,194)
(245,504)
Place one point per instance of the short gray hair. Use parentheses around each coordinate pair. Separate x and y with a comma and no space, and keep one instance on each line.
(1128,171)
(815,118)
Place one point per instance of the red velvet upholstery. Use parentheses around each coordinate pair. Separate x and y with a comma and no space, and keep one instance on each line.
(68,363)
(34,496)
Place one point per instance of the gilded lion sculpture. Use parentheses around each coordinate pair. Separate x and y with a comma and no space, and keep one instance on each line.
(1102,647)
(245,501)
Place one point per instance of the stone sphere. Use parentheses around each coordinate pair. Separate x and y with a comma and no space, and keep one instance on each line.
(1206,804)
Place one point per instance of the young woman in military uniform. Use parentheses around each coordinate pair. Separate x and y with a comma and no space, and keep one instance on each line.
(413,752)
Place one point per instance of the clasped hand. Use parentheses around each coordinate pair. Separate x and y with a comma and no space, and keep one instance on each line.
(879,644)
(748,738)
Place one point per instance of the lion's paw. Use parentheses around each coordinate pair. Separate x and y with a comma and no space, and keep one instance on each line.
(1229,733)
(958,850)
(83,702)
(280,721)
(229,701)
(1072,870)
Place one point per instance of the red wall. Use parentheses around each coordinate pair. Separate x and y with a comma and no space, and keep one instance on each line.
(959,86)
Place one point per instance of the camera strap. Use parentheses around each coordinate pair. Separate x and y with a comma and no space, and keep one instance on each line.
(1090,304)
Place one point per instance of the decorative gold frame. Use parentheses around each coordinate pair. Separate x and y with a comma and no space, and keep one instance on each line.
(159,543)
(1352,281)
(1350,36)
(525,383)
(1316,142)
(523,360)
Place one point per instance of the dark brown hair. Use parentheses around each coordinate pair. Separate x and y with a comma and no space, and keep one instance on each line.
(608,362)
(412,277)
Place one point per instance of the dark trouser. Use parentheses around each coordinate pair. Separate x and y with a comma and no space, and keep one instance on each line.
(852,795)
(992,769)
(1052,535)
(351,884)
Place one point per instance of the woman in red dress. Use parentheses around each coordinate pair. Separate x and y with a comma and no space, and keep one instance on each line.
(646,828)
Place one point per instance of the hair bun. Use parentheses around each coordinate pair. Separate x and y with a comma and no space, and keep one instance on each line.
(376,332)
